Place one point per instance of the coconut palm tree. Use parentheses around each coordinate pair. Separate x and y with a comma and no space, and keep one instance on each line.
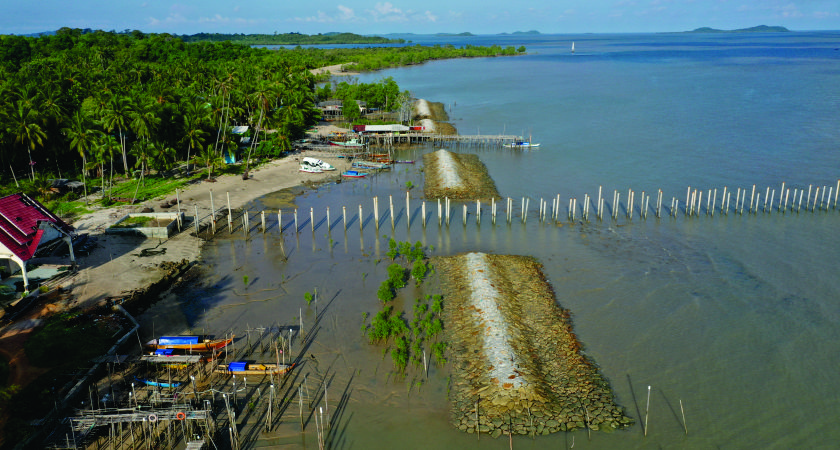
(196,114)
(117,115)
(25,129)
(83,137)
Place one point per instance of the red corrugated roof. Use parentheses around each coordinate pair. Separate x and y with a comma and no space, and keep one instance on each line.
(20,217)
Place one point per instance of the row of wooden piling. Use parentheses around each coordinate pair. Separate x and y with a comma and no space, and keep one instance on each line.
(697,202)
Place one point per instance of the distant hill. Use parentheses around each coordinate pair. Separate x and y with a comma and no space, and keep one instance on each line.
(520,33)
(758,29)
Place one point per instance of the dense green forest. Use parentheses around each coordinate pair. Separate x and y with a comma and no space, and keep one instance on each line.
(135,103)
(290,39)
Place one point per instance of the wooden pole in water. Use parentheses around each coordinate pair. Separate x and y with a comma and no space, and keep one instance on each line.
(708,200)
(659,204)
(752,196)
(647,199)
(493,210)
(570,210)
(296,221)
(440,214)
(574,208)
(464,206)
(816,194)
(478,212)
(344,217)
(647,409)
(557,211)
(328,219)
(361,219)
(714,203)
(630,200)
(836,192)
(681,405)
(280,221)
(448,211)
(687,198)
(312,218)
(781,193)
(599,202)
(728,197)
(808,200)
(616,204)
(407,209)
(391,209)
(787,192)
(376,212)
(527,203)
(773,198)
(423,212)
(262,219)
(799,205)
(523,210)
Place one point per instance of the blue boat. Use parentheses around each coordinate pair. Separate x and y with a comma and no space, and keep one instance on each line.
(353,174)
(157,383)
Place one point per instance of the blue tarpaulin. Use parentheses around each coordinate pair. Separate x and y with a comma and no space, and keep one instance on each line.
(163,351)
(178,340)
(237,366)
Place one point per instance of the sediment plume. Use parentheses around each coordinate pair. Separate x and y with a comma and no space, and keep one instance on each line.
(514,353)
(457,176)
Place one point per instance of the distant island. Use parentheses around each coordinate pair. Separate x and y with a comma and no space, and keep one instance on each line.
(758,29)
(466,33)
(290,38)
(520,33)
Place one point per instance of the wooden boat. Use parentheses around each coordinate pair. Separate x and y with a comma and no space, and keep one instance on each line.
(195,344)
(353,174)
(352,143)
(157,383)
(244,368)
(369,165)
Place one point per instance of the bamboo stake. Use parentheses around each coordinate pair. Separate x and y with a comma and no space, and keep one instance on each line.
(683,416)
(647,409)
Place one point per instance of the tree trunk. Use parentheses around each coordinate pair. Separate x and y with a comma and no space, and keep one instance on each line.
(122,147)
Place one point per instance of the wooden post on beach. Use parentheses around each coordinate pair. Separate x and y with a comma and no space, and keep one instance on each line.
(196,220)
(178,201)
(212,213)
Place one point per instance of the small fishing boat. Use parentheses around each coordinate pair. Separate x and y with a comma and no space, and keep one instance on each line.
(404,161)
(521,144)
(196,344)
(353,174)
(573,47)
(352,143)
(244,368)
(309,169)
(157,383)
(369,165)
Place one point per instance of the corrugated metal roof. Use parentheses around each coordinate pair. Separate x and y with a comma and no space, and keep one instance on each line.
(20,218)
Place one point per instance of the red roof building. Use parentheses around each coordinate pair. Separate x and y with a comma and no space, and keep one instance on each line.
(24,225)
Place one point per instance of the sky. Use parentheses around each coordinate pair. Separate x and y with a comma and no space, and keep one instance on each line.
(419,17)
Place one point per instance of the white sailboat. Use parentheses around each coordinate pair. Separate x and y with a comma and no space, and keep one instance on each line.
(573,46)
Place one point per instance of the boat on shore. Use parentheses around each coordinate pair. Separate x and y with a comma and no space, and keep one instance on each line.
(353,174)
(196,344)
(369,165)
(244,368)
(308,169)
(316,163)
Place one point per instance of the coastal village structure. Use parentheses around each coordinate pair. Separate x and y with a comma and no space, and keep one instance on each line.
(25,224)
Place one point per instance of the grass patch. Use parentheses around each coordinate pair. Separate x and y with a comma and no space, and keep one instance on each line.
(68,340)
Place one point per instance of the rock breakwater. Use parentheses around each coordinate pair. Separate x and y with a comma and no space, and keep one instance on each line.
(517,364)
(457,176)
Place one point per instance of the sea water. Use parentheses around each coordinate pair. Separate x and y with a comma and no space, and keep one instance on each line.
(731,319)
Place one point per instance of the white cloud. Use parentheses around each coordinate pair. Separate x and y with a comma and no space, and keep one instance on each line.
(431,17)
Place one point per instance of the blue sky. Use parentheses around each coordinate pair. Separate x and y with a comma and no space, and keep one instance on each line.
(422,17)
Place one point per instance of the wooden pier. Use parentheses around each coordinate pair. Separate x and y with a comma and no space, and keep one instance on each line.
(478,140)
